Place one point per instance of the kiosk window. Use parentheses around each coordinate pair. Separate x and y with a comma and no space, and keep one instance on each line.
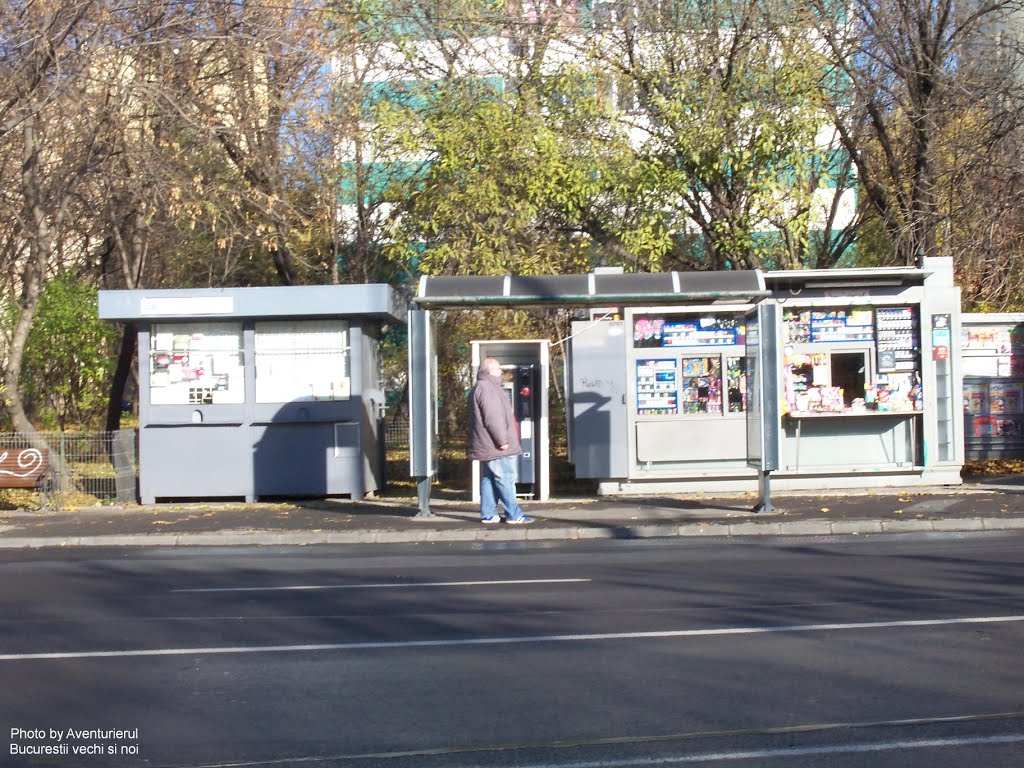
(736,374)
(302,360)
(700,385)
(656,393)
(850,373)
(196,363)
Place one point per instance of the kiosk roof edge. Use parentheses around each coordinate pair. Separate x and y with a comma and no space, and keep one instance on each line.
(378,301)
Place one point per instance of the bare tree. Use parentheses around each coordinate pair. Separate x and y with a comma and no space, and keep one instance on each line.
(253,69)
(906,73)
(985,228)
(50,128)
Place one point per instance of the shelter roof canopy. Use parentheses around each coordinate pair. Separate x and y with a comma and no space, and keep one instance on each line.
(593,289)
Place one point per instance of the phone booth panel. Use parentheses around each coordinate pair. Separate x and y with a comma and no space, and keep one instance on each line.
(525,365)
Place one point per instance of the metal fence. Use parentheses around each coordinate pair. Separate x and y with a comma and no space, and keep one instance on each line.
(102,465)
(396,434)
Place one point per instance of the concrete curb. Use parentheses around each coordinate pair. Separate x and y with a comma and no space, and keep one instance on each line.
(1002,524)
(539,533)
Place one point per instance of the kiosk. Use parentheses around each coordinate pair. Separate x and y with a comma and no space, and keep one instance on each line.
(868,377)
(993,368)
(258,392)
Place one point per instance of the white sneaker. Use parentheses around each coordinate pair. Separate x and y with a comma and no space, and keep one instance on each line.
(521,520)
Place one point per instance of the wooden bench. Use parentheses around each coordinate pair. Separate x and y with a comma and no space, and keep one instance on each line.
(23,467)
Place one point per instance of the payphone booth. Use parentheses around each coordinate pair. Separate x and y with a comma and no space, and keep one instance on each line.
(526,369)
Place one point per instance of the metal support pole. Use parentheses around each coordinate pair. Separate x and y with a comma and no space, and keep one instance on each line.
(423,494)
(764,490)
(63,476)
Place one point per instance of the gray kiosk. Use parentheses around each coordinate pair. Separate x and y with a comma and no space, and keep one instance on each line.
(258,392)
(992,345)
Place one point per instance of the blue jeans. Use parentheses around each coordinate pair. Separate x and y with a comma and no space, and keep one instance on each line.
(498,483)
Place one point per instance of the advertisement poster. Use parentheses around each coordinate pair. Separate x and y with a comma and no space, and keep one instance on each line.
(1004,397)
(976,398)
(656,387)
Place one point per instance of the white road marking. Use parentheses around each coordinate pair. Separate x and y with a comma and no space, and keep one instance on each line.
(768,754)
(391,585)
(521,639)
(761,754)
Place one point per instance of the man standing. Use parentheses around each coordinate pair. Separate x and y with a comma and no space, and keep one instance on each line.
(494,442)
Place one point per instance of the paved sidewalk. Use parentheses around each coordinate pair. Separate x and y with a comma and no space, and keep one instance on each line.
(995,504)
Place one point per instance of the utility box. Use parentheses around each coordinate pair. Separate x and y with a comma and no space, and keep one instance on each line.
(526,367)
(258,392)
(595,386)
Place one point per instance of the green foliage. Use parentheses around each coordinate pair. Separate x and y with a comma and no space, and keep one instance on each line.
(501,192)
(558,171)
(736,101)
(874,246)
(69,357)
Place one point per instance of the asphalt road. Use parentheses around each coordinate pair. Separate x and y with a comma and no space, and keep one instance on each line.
(898,650)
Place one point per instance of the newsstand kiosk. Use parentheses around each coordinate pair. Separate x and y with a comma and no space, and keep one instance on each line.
(258,392)
(868,374)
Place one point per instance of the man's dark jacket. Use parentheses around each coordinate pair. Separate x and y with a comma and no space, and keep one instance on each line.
(491,421)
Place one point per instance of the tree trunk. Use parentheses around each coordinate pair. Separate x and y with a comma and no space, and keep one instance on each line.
(40,244)
(120,380)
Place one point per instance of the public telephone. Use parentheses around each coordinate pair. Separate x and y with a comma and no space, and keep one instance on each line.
(523,390)
(525,371)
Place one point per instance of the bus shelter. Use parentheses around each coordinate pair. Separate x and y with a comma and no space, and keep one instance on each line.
(602,294)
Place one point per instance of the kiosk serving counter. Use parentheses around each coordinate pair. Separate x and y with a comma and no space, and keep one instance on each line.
(852,386)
